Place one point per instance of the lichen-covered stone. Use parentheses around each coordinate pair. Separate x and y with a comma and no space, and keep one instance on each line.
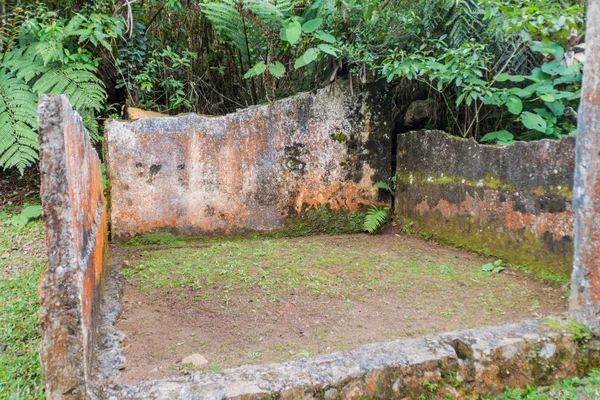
(511,201)
(585,290)
(251,169)
(75,219)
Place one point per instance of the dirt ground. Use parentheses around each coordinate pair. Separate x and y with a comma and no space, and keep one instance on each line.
(253,302)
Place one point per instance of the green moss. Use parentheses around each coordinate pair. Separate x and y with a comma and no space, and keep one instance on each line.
(323,220)
(339,137)
(163,238)
(488,182)
(520,248)
(580,332)
(312,222)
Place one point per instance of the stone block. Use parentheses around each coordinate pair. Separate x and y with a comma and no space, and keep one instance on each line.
(74,214)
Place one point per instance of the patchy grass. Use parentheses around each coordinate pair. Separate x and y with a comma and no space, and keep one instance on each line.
(320,266)
(274,300)
(568,389)
(22,258)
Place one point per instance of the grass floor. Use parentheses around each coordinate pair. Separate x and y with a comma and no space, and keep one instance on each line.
(257,301)
(22,258)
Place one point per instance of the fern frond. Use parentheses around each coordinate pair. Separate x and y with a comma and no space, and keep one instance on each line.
(375,218)
(18,139)
(80,83)
(383,185)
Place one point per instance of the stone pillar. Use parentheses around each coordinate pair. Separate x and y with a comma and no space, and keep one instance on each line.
(585,289)
(75,219)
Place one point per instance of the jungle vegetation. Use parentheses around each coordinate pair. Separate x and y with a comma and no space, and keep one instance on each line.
(494,70)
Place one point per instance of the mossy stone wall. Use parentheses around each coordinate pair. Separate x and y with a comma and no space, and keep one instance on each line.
(513,202)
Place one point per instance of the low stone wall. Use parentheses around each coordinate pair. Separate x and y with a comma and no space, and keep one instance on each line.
(464,364)
(76,234)
(513,201)
(251,169)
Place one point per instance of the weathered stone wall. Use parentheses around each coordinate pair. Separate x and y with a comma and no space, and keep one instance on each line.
(465,364)
(76,234)
(251,169)
(511,201)
(585,288)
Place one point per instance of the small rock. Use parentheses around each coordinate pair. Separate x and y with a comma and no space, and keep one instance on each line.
(197,360)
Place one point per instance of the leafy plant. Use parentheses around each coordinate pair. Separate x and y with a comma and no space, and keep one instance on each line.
(29,212)
(541,105)
(494,267)
(375,218)
(46,54)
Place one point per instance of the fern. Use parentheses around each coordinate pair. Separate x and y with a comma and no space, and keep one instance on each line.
(384,186)
(462,18)
(248,34)
(375,218)
(18,139)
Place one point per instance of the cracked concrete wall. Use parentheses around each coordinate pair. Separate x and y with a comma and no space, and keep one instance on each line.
(74,213)
(585,289)
(510,201)
(250,170)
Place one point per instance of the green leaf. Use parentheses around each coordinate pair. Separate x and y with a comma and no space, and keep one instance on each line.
(375,217)
(309,56)
(547,97)
(19,221)
(291,32)
(533,121)
(326,48)
(277,69)
(553,68)
(258,69)
(570,78)
(498,262)
(32,211)
(312,25)
(502,137)
(549,48)
(3,215)
(557,107)
(509,77)
(487,267)
(325,37)
(514,105)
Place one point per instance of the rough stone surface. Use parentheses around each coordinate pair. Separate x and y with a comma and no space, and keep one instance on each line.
(251,169)
(461,364)
(197,360)
(75,220)
(585,292)
(511,201)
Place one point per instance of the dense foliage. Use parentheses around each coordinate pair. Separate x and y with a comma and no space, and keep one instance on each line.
(496,70)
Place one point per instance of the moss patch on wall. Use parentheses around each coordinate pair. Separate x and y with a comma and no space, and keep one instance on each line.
(519,247)
(489,181)
(312,222)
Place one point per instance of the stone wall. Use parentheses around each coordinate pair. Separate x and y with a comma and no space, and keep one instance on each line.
(510,201)
(250,170)
(75,219)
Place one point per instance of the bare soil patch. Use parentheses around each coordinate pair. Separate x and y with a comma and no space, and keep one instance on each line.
(264,301)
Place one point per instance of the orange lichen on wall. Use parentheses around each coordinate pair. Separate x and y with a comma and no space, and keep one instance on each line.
(250,170)
(559,224)
(76,234)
